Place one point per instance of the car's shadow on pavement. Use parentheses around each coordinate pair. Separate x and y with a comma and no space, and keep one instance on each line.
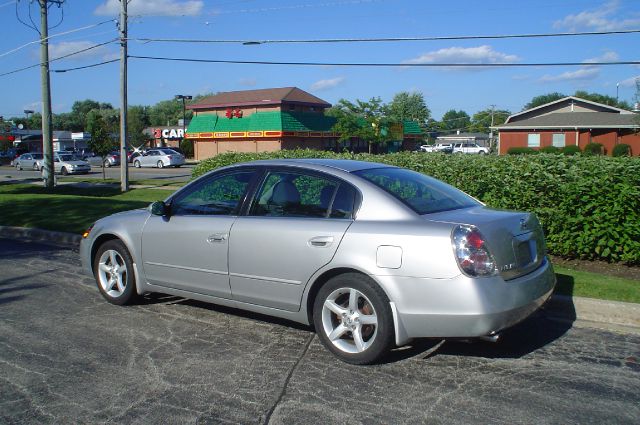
(543,327)
(536,332)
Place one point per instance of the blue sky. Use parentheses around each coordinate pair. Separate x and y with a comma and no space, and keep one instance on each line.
(443,89)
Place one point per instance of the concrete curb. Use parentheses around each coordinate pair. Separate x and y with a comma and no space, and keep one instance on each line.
(607,314)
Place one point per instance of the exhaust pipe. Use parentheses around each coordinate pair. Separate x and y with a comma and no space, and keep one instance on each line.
(491,338)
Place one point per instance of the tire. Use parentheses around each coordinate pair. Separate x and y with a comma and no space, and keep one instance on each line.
(35,167)
(107,164)
(136,164)
(19,167)
(64,171)
(160,164)
(113,271)
(482,153)
(341,327)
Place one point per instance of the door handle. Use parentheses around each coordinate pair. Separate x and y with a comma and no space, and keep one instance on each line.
(321,241)
(217,238)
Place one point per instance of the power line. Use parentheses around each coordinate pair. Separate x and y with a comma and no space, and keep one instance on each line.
(387,39)
(399,65)
(59,58)
(86,66)
(54,35)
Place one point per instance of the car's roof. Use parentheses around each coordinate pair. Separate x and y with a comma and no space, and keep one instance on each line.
(347,165)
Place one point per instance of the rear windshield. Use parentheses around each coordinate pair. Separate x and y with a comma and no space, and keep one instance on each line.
(423,194)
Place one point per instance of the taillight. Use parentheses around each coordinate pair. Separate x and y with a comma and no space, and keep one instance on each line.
(472,253)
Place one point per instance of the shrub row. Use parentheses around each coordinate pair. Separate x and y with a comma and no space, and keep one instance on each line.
(621,149)
(589,205)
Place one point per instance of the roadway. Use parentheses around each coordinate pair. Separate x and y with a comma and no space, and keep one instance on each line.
(67,356)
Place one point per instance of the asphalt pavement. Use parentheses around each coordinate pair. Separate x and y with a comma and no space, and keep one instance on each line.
(183,174)
(67,356)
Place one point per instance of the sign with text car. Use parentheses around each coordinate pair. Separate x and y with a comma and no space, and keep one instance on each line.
(168,133)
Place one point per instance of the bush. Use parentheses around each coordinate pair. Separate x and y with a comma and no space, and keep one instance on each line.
(187,148)
(571,150)
(593,149)
(589,205)
(521,151)
(550,149)
(621,150)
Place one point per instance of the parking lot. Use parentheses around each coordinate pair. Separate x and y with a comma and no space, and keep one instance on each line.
(8,173)
(67,356)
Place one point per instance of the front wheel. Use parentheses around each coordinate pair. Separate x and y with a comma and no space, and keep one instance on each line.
(136,164)
(160,164)
(113,271)
(107,164)
(353,319)
(35,167)
(64,171)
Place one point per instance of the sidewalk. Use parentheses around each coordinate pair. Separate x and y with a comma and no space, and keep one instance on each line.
(587,312)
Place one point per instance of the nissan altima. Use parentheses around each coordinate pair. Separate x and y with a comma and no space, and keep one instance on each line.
(371,255)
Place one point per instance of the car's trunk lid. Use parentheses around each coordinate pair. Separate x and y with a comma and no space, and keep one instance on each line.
(515,239)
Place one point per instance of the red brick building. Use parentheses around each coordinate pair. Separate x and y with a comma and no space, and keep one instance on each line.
(265,120)
(570,121)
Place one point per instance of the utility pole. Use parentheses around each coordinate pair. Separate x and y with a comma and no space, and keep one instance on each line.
(124,164)
(47,139)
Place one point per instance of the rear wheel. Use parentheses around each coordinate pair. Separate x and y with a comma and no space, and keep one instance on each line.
(107,164)
(353,319)
(35,167)
(136,164)
(19,167)
(160,164)
(113,271)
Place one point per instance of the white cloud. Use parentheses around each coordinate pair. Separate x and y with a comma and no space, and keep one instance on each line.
(327,84)
(57,50)
(600,19)
(578,75)
(455,55)
(605,57)
(153,8)
(630,82)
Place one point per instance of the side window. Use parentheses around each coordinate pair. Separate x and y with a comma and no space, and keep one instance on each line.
(219,195)
(290,194)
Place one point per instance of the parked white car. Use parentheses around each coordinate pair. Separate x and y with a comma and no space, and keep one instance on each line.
(470,148)
(161,157)
(66,163)
(443,147)
(29,161)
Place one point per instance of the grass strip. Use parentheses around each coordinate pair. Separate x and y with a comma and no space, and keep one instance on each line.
(594,285)
(68,208)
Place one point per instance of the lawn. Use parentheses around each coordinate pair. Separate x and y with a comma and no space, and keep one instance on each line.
(594,285)
(67,208)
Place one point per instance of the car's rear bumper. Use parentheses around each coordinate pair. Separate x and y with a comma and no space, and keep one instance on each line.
(466,307)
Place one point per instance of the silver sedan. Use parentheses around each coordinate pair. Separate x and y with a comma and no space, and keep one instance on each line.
(162,157)
(371,255)
(29,161)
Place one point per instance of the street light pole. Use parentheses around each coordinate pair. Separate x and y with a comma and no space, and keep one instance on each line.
(617,90)
(184,98)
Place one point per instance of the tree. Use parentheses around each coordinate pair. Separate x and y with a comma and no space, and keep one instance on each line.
(601,98)
(455,120)
(167,112)
(137,121)
(482,120)
(543,99)
(367,121)
(407,106)
(101,143)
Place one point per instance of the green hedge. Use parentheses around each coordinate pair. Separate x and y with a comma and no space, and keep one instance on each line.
(588,205)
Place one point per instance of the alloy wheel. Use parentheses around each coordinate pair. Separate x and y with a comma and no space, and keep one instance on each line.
(349,320)
(112,273)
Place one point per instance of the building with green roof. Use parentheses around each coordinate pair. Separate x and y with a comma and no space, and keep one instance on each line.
(265,120)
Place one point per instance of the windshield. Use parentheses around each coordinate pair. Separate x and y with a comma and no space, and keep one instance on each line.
(423,194)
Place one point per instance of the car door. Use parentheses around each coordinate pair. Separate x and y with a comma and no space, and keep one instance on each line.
(188,249)
(294,226)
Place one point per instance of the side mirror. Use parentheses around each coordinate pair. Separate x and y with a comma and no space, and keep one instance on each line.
(159,208)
